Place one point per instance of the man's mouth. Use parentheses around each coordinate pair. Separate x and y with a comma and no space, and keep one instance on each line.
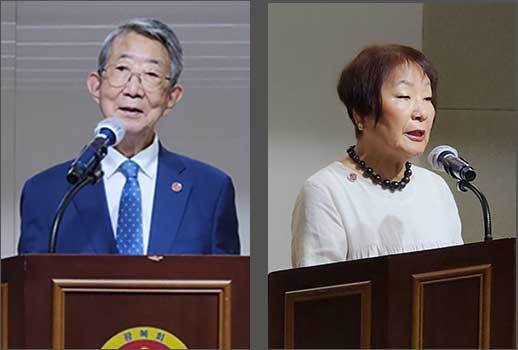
(130,110)
(415,135)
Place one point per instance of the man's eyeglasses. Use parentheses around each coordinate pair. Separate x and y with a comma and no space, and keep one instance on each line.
(119,75)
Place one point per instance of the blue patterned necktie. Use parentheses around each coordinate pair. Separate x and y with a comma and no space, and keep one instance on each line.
(129,224)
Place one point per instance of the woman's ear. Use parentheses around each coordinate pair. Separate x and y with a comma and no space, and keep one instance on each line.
(359,122)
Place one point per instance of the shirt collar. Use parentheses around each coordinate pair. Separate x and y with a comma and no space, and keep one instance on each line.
(145,160)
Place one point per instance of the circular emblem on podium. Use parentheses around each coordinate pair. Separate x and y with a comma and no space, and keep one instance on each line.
(144,338)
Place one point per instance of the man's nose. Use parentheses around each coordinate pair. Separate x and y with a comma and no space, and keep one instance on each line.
(134,85)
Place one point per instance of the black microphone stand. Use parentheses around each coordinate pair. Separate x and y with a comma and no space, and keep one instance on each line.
(89,178)
(464,186)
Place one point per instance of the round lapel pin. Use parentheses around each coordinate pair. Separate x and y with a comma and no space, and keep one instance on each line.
(352,177)
(176,186)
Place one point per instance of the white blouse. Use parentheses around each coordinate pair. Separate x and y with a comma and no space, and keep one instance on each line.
(339,216)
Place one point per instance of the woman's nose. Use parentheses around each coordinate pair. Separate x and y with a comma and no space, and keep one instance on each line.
(419,112)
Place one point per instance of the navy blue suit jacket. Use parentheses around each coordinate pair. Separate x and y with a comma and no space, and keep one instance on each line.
(198,219)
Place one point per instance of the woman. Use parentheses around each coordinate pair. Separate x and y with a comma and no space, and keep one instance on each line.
(374,201)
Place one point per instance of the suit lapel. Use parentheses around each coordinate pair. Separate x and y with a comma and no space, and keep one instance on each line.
(92,210)
(169,203)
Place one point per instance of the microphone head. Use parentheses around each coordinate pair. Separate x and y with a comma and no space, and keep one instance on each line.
(436,153)
(113,125)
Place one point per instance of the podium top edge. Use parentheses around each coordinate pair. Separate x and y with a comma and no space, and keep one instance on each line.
(156,258)
(384,258)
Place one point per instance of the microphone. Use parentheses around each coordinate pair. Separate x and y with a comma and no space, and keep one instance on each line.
(109,132)
(445,158)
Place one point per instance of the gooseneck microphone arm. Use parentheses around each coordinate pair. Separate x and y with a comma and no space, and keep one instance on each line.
(86,168)
(91,178)
(445,158)
(464,186)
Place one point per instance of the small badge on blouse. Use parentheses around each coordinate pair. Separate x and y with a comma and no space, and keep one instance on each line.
(352,177)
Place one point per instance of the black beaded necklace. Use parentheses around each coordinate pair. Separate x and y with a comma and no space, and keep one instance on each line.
(386,184)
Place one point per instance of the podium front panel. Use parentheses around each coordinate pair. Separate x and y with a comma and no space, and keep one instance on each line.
(106,308)
(455,297)
(353,323)
(435,294)
(3,315)
(488,269)
(328,309)
(83,301)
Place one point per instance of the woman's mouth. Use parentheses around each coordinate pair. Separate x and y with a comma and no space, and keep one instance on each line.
(417,135)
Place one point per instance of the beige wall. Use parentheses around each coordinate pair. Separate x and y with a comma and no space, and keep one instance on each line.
(473,47)
(474,50)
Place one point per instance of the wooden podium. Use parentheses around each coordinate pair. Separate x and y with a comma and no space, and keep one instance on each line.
(79,301)
(456,297)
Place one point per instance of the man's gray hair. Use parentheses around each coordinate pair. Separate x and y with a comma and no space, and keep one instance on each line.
(150,28)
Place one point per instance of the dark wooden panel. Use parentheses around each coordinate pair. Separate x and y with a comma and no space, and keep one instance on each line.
(451,299)
(282,282)
(392,293)
(500,254)
(341,313)
(106,314)
(440,323)
(337,319)
(4,314)
(13,272)
(34,329)
(198,310)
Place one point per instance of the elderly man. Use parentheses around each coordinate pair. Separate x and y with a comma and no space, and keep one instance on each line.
(150,200)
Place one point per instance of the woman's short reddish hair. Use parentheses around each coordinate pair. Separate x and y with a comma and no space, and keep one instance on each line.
(359,87)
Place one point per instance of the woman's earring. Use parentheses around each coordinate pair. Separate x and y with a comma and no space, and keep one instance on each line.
(360,126)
